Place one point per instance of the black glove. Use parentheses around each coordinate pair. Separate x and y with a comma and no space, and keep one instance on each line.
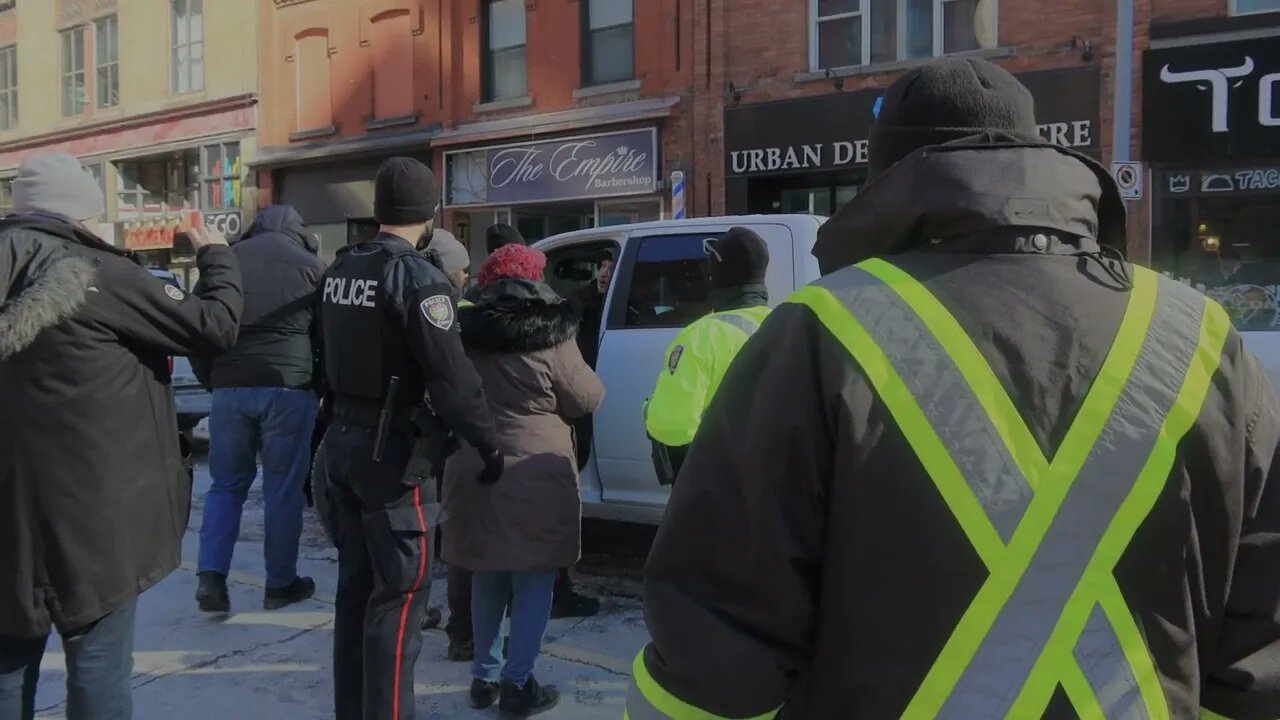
(494,464)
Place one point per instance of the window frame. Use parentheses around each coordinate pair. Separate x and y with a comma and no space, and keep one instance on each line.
(112,67)
(1233,10)
(9,120)
(587,42)
(195,82)
(937,42)
(208,179)
(487,54)
(66,75)
(624,278)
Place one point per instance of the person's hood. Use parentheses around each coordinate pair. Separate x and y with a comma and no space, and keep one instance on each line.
(960,189)
(284,220)
(51,285)
(517,316)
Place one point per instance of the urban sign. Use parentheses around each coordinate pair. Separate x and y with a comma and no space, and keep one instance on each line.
(593,166)
(1223,181)
(830,132)
(1219,101)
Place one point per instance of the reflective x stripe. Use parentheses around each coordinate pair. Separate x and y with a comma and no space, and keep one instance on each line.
(647,700)
(743,323)
(1050,533)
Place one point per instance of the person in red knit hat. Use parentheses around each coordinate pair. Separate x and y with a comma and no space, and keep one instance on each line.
(522,338)
(512,262)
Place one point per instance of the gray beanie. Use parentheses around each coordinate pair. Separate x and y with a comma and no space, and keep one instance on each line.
(453,254)
(56,184)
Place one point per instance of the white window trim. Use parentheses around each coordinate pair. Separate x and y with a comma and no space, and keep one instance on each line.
(939,36)
(1234,10)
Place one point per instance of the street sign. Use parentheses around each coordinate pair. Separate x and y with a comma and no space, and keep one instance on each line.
(1128,176)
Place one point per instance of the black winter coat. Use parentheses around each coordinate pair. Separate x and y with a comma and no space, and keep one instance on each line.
(281,273)
(94,498)
(809,557)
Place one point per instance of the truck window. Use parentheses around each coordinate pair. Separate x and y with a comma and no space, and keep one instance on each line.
(669,286)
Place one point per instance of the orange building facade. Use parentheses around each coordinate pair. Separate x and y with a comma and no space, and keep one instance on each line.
(549,115)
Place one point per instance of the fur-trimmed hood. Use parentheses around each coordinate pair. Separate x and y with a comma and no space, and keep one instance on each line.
(45,285)
(518,316)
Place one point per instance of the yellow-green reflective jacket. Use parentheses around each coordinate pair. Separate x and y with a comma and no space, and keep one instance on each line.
(697,360)
(1015,489)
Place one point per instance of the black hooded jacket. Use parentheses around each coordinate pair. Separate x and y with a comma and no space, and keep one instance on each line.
(808,556)
(281,274)
(94,497)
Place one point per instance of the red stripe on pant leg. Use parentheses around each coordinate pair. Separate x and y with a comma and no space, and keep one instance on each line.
(408,600)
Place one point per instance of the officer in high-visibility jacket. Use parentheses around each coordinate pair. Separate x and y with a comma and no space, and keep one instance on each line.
(701,353)
(983,469)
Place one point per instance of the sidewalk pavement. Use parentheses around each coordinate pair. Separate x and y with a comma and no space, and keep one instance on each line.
(278,665)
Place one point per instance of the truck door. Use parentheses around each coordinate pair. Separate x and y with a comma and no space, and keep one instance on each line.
(660,286)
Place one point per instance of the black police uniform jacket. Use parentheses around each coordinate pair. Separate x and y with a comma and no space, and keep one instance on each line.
(94,498)
(385,310)
(806,556)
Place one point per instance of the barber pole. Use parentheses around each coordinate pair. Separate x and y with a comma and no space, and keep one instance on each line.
(677,195)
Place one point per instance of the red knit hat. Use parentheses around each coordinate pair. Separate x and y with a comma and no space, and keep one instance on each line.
(512,262)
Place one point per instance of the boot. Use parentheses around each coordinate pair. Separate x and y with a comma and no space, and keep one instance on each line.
(211,593)
(302,588)
(462,650)
(431,619)
(483,693)
(569,603)
(522,702)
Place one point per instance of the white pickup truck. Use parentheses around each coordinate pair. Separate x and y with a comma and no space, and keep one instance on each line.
(658,286)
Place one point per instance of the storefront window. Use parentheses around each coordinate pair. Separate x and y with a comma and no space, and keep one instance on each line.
(1220,236)
(222,177)
(157,184)
(1242,7)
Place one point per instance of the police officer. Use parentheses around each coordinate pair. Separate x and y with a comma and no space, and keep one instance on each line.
(983,468)
(398,382)
(701,353)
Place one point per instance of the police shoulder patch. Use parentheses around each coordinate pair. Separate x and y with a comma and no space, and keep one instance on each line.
(438,310)
(674,361)
(173,292)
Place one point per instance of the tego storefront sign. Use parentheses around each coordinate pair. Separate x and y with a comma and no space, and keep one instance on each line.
(591,166)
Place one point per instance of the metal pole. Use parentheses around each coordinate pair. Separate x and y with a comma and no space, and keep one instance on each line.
(1122,118)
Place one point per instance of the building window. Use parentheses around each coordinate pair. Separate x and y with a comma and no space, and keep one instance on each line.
(188,47)
(108,54)
(314,110)
(1244,7)
(158,184)
(221,177)
(392,35)
(608,44)
(505,75)
(72,71)
(9,87)
(861,32)
(95,171)
(6,196)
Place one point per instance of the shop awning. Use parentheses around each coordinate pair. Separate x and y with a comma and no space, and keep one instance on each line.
(417,139)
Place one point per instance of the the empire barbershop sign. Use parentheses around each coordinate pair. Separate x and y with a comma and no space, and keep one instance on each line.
(831,132)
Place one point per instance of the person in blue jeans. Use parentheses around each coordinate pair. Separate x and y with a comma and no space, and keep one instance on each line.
(264,408)
(516,533)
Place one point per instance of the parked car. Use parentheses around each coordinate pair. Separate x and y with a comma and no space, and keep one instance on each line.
(659,285)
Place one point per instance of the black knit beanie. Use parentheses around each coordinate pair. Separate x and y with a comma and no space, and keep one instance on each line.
(739,257)
(404,193)
(946,100)
(500,234)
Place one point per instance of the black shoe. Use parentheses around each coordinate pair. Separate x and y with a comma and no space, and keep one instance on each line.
(462,650)
(211,593)
(302,588)
(483,693)
(431,619)
(568,603)
(532,699)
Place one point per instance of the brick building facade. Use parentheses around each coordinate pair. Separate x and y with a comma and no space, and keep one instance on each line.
(550,115)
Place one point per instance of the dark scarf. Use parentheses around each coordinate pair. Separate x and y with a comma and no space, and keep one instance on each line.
(515,316)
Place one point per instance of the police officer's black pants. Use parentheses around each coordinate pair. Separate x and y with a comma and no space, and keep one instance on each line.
(379,525)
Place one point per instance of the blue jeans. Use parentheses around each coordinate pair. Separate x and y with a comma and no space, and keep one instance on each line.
(99,665)
(530,597)
(277,423)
